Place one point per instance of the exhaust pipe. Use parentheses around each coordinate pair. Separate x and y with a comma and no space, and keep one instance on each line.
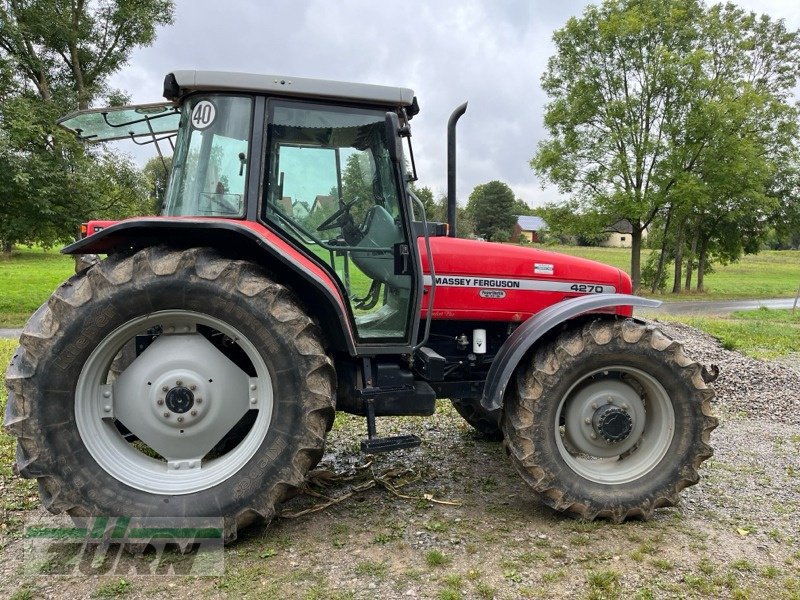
(451,168)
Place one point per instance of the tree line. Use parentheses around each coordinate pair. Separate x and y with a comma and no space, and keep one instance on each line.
(679,118)
(56,57)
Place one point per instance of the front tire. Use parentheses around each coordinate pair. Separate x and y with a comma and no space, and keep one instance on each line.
(221,414)
(610,420)
(485,422)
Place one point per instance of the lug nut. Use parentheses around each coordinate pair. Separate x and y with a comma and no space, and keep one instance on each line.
(160,401)
(166,415)
(180,419)
(594,405)
(624,407)
(198,400)
(179,382)
(193,387)
(193,413)
(164,388)
(588,421)
(593,436)
(107,408)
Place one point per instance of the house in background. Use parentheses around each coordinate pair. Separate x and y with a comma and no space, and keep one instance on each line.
(619,235)
(528,228)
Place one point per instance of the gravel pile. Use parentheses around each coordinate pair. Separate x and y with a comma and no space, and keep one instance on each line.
(767,390)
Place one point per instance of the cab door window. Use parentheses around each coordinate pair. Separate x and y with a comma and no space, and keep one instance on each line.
(331,187)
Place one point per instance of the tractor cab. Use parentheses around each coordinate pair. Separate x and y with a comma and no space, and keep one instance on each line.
(319,163)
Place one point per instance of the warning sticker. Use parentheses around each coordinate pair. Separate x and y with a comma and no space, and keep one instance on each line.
(543,269)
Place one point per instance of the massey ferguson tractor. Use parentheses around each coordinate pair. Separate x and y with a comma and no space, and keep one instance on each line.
(291,272)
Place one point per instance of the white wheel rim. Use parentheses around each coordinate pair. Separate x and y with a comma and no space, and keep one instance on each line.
(182,473)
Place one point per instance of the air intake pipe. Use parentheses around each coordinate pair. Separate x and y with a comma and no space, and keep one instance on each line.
(451,167)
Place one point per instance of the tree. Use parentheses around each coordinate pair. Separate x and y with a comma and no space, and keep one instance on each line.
(434,212)
(649,102)
(491,209)
(157,171)
(56,56)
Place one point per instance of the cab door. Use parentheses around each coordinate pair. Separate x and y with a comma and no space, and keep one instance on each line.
(333,188)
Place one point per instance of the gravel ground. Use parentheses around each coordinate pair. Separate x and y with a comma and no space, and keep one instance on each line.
(746,386)
(735,535)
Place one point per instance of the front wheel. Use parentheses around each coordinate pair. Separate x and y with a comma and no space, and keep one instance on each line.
(611,420)
(170,384)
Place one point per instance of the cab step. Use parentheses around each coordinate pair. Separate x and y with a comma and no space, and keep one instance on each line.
(389,444)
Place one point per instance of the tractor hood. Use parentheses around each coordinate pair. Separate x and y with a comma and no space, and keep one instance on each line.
(489,281)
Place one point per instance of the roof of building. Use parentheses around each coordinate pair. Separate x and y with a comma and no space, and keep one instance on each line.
(621,226)
(528,223)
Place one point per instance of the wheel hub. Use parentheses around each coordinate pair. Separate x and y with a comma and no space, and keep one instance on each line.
(179,399)
(612,423)
(604,418)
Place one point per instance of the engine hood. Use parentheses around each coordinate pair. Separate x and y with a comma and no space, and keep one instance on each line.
(490,281)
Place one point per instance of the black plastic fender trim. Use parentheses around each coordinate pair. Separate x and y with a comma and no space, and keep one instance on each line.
(527,334)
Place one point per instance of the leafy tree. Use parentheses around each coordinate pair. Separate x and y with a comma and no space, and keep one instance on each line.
(491,208)
(650,103)
(434,212)
(56,56)
(157,171)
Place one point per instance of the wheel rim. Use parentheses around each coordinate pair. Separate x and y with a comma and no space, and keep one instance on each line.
(160,424)
(614,425)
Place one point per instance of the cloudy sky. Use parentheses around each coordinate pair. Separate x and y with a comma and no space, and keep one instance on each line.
(490,53)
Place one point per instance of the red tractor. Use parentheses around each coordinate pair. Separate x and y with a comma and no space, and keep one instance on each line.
(291,273)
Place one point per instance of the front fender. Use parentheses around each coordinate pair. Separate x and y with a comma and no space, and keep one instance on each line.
(532,330)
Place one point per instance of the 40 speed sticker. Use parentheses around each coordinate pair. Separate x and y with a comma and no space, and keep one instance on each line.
(203,114)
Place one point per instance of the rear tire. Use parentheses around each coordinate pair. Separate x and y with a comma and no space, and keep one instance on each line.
(485,422)
(238,327)
(618,380)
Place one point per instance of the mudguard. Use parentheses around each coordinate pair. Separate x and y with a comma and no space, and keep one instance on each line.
(527,334)
(240,239)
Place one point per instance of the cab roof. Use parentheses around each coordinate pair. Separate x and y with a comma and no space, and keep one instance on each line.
(180,83)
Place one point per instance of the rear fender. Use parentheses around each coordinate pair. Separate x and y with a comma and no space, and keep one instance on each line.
(532,330)
(246,240)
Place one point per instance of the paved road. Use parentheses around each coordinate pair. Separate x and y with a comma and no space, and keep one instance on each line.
(714,307)
(693,307)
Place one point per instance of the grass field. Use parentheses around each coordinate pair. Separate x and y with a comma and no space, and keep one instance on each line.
(27,278)
(761,333)
(769,274)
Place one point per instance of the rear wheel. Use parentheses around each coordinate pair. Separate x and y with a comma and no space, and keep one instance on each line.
(170,383)
(485,422)
(611,420)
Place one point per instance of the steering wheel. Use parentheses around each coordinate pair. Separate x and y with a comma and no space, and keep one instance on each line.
(340,217)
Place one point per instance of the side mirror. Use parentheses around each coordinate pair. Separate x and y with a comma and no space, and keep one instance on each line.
(393,140)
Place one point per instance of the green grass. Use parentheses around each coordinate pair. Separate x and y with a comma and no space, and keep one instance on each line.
(27,278)
(762,333)
(768,274)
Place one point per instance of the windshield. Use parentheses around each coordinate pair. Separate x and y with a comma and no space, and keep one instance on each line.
(210,165)
(123,122)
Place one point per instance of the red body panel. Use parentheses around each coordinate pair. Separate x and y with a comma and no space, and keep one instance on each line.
(275,241)
(485,281)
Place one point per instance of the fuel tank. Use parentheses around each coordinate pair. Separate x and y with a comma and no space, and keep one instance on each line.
(487,281)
